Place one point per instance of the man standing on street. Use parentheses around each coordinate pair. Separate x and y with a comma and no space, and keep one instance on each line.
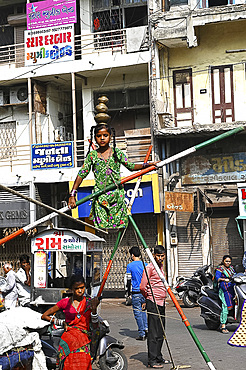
(155,333)
(134,274)
(23,280)
(9,291)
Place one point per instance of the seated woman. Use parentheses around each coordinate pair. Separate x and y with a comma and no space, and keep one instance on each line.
(223,273)
(80,310)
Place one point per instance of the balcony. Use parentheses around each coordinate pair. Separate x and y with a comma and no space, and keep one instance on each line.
(177,27)
(134,144)
(116,41)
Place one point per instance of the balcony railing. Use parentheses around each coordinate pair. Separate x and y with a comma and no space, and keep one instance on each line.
(18,157)
(108,41)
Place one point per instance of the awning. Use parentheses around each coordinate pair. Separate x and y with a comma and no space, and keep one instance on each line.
(239,222)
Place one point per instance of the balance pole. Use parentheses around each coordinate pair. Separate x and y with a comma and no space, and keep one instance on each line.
(137,174)
(121,232)
(179,309)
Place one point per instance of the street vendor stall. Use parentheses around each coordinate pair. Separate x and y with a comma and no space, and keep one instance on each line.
(59,253)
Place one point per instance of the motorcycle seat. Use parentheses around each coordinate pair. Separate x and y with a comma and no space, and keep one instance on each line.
(212,294)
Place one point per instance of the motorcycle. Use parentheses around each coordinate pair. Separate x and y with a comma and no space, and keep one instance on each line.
(211,305)
(107,348)
(189,289)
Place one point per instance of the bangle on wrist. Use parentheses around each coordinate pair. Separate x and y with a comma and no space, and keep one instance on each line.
(145,164)
(73,193)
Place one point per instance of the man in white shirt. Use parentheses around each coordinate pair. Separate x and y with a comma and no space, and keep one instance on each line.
(23,280)
(9,291)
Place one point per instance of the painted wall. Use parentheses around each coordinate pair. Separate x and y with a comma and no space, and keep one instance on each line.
(214,40)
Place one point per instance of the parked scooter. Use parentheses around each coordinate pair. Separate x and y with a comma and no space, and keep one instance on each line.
(107,349)
(189,289)
(211,305)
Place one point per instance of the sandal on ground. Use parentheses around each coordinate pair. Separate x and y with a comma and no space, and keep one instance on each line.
(224,331)
(155,365)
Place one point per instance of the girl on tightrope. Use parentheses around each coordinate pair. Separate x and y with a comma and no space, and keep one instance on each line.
(108,210)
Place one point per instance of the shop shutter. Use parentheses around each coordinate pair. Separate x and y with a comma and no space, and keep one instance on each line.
(148,227)
(225,237)
(189,243)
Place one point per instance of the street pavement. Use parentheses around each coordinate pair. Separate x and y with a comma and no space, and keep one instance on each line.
(184,351)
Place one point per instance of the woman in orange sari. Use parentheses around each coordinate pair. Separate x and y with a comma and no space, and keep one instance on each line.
(80,310)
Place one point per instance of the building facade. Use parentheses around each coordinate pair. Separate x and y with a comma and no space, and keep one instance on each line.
(198,89)
(52,72)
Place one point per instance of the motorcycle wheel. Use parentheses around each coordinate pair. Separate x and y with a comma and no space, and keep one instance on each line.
(188,302)
(121,363)
(212,325)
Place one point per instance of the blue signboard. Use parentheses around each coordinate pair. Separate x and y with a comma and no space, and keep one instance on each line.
(52,155)
(142,204)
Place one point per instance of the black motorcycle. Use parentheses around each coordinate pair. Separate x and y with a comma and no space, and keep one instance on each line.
(189,289)
(211,305)
(106,349)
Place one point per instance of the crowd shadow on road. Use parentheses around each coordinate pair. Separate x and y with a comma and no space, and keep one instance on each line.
(126,332)
(141,357)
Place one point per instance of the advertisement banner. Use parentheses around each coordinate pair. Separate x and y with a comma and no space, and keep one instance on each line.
(49,44)
(53,155)
(142,204)
(50,13)
(214,168)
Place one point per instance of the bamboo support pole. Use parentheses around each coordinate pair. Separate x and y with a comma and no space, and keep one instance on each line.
(179,309)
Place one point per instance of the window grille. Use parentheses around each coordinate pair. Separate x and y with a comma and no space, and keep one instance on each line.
(8,140)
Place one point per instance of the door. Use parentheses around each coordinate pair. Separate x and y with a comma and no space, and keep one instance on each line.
(183,97)
(222,94)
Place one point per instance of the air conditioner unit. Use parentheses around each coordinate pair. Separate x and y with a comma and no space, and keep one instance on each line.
(18,94)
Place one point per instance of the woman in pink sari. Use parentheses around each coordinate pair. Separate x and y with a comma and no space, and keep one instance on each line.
(74,350)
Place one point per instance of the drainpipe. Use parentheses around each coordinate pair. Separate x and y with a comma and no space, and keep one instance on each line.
(167,223)
(32,205)
(74,118)
(30,117)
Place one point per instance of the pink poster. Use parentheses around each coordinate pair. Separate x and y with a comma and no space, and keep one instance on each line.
(49,13)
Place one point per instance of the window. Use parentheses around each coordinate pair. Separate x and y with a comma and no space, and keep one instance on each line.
(183,97)
(212,3)
(129,108)
(7,139)
(116,14)
(222,94)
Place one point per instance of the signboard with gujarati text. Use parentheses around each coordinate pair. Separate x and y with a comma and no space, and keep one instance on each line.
(215,168)
(49,13)
(52,155)
(64,241)
(242,200)
(179,202)
(48,45)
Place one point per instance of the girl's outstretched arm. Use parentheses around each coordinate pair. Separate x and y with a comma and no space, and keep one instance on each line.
(72,198)
(140,166)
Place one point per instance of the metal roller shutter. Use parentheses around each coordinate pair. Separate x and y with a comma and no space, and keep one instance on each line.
(148,227)
(225,237)
(189,243)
